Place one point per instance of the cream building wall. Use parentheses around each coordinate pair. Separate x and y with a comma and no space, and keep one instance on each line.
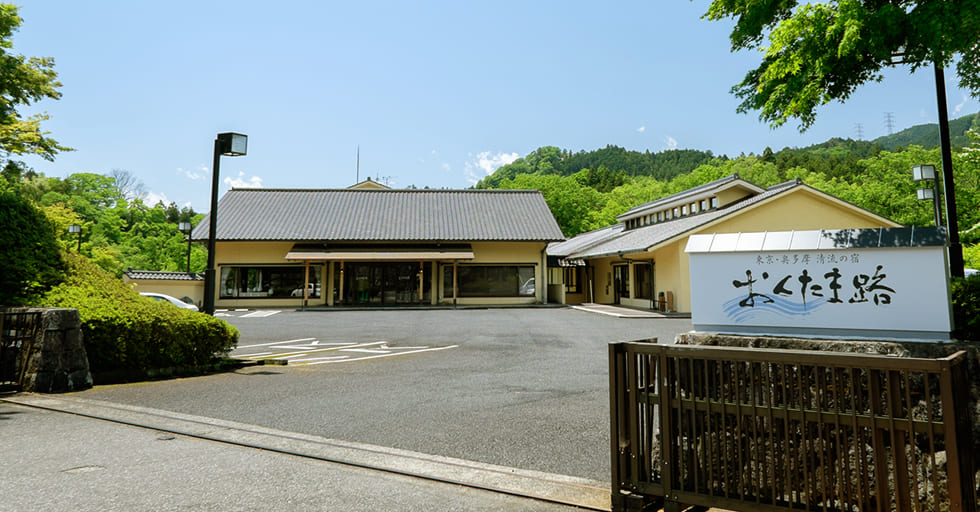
(799,209)
(274,253)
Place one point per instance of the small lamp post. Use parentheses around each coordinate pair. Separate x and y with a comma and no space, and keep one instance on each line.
(227,144)
(185,228)
(928,173)
(75,228)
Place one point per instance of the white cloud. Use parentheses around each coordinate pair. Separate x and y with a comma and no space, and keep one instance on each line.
(641,129)
(959,107)
(152,198)
(671,142)
(446,167)
(201,173)
(241,181)
(487,163)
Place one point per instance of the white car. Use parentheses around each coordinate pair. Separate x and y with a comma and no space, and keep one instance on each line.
(166,298)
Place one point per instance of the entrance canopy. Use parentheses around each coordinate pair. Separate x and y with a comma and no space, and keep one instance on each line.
(308,252)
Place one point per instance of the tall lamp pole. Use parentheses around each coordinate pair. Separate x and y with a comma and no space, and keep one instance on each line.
(185,228)
(227,144)
(949,194)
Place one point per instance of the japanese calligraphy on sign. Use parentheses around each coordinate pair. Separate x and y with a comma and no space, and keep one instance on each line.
(865,290)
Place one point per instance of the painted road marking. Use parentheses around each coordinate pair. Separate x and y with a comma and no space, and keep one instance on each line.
(391,354)
(316,352)
(278,343)
(259,314)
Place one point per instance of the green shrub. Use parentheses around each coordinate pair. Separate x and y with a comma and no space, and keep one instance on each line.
(127,332)
(966,308)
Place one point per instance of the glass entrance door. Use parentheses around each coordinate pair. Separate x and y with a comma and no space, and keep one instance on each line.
(621,282)
(383,283)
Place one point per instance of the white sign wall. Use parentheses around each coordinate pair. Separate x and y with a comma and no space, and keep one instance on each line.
(867,292)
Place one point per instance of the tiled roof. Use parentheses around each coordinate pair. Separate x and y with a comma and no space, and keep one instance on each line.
(163,276)
(584,240)
(641,239)
(727,181)
(382,215)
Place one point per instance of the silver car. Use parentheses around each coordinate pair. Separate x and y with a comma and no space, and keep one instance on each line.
(166,298)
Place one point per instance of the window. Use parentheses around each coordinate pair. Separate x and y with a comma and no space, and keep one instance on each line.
(490,281)
(572,279)
(684,210)
(714,202)
(702,205)
(675,212)
(248,282)
(694,208)
(660,216)
(643,279)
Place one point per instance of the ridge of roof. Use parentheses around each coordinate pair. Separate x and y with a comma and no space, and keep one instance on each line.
(656,234)
(383,191)
(693,191)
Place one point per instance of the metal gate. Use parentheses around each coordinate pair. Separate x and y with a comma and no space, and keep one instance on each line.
(17,334)
(755,429)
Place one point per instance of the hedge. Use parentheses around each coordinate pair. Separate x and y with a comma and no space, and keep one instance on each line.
(966,308)
(125,331)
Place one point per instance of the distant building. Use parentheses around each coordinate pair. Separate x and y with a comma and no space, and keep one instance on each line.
(188,287)
(640,261)
(371,245)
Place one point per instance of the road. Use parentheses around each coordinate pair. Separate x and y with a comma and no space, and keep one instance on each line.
(523,388)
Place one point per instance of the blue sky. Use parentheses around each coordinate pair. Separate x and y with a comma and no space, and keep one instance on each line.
(435,94)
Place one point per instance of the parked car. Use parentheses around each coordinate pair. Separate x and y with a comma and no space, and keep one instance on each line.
(166,298)
(970,272)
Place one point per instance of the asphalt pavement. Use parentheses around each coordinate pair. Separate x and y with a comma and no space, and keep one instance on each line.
(497,392)
(55,460)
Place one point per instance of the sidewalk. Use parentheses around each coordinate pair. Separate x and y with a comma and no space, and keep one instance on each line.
(66,453)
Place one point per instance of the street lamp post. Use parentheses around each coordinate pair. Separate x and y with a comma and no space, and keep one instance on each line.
(227,144)
(185,228)
(75,228)
(949,194)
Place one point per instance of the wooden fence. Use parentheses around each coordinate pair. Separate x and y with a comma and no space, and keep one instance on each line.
(755,429)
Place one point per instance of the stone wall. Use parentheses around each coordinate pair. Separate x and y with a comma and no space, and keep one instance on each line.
(56,361)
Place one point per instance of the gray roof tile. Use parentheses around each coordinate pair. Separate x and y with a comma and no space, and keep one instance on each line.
(641,239)
(382,215)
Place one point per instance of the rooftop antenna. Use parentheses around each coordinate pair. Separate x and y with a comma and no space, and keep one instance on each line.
(358,180)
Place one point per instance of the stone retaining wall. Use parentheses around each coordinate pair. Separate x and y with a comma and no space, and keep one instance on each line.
(56,361)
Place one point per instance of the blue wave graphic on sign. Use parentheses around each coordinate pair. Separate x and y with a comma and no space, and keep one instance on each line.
(779,306)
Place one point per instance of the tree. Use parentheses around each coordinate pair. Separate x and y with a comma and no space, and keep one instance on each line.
(29,249)
(822,52)
(23,81)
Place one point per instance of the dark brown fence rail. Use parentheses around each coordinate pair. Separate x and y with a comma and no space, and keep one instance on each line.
(754,429)
(17,334)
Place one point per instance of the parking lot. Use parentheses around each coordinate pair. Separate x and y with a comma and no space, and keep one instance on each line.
(524,388)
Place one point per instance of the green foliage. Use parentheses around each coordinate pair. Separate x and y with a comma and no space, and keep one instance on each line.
(29,250)
(23,81)
(821,52)
(570,202)
(966,308)
(124,331)
(605,168)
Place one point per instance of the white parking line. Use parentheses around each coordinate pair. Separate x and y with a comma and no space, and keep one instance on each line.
(399,353)
(259,314)
(278,343)
(304,352)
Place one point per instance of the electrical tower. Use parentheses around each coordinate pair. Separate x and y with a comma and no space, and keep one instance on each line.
(890,122)
(860,130)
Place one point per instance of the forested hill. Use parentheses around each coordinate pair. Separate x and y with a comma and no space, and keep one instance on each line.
(608,167)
